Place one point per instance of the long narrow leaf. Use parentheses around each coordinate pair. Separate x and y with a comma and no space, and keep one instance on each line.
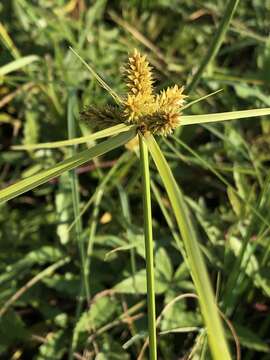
(69,164)
(6,40)
(17,64)
(199,273)
(231,115)
(216,42)
(80,140)
(189,104)
(114,95)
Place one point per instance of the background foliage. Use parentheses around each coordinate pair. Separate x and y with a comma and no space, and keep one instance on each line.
(40,261)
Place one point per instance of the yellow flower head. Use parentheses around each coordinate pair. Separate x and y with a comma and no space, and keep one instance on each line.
(171,99)
(168,113)
(139,79)
(160,114)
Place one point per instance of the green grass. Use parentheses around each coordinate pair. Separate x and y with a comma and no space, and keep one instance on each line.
(62,187)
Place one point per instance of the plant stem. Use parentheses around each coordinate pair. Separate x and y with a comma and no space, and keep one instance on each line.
(215,44)
(149,252)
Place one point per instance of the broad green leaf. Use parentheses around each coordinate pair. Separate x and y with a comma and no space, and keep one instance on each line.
(181,273)
(163,276)
(12,329)
(80,140)
(69,164)
(43,255)
(17,64)
(67,283)
(163,264)
(199,273)
(102,311)
(176,316)
(126,286)
(232,115)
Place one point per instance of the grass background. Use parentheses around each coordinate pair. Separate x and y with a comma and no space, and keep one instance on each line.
(42,313)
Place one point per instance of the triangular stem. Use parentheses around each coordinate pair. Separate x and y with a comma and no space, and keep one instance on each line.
(149,250)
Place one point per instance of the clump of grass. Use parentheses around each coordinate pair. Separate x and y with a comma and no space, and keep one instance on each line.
(223,168)
(154,114)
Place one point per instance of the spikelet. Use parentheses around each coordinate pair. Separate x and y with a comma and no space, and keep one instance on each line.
(140,99)
(139,78)
(167,116)
(102,117)
(171,99)
(162,123)
(136,107)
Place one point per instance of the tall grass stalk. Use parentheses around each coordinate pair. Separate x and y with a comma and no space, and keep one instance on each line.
(149,251)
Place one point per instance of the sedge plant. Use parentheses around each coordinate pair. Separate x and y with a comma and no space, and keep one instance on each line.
(143,113)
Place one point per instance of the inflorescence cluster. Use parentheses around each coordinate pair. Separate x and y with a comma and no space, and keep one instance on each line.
(157,113)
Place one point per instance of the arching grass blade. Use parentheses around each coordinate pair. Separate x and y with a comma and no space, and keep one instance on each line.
(216,337)
(69,164)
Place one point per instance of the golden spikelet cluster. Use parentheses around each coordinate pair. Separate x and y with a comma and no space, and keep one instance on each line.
(168,114)
(138,74)
(140,99)
(171,99)
(159,114)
